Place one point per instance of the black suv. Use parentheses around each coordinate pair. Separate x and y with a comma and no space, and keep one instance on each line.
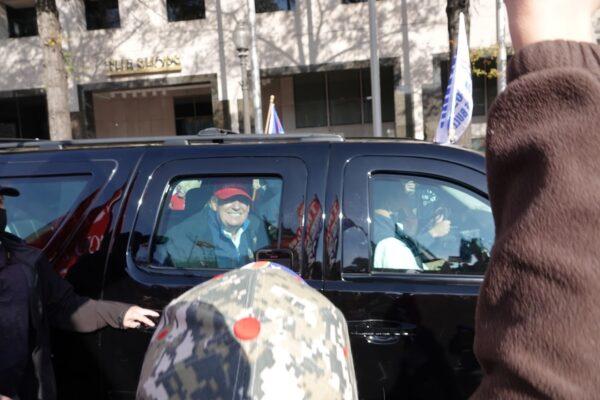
(395,233)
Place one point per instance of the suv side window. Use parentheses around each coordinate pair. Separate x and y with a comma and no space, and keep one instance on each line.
(42,206)
(217,222)
(425,225)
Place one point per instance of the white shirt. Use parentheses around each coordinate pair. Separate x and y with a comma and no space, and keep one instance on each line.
(392,253)
(235,239)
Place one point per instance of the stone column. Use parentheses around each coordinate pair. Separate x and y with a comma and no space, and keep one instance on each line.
(3,22)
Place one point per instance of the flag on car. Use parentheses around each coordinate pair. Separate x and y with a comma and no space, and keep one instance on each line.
(273,125)
(458,101)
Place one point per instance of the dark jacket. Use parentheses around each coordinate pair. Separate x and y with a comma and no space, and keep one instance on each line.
(199,242)
(538,315)
(52,303)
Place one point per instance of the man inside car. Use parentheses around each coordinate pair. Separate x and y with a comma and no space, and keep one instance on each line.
(224,235)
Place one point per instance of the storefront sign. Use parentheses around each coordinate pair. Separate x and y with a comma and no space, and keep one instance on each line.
(146,65)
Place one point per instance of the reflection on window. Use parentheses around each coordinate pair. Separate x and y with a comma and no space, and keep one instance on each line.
(217,222)
(22,22)
(42,205)
(427,226)
(263,6)
(192,114)
(185,10)
(102,14)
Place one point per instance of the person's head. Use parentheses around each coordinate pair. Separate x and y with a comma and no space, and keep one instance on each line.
(388,195)
(231,201)
(5,191)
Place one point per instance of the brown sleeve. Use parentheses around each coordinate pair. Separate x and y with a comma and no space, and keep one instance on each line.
(67,310)
(538,315)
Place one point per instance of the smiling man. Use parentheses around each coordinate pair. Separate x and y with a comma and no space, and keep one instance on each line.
(224,235)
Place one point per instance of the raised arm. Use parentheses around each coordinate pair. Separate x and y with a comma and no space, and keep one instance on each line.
(538,313)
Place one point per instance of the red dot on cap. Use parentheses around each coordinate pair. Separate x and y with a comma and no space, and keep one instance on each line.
(163,334)
(246,328)
(217,277)
(260,264)
(346,351)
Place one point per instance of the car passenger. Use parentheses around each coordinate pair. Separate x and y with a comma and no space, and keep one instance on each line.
(393,222)
(224,235)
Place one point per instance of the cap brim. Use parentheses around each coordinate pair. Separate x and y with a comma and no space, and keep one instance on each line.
(8,191)
(229,192)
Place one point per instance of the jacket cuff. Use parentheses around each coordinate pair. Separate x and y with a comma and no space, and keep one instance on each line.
(555,54)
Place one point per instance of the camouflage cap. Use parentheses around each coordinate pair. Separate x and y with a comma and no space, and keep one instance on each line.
(259,332)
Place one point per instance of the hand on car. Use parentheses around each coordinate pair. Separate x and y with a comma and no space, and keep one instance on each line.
(136,316)
(441,227)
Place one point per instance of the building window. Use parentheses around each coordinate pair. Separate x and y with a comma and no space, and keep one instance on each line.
(102,14)
(185,10)
(192,114)
(24,117)
(22,22)
(340,97)
(263,6)
(485,88)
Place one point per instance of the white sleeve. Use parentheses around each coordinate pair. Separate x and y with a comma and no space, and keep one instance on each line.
(392,253)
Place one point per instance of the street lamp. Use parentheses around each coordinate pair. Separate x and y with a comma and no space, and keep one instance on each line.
(241,39)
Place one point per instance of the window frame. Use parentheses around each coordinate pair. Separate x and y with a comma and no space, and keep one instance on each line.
(363,99)
(291,170)
(356,208)
(86,14)
(203,13)
(291,7)
(11,21)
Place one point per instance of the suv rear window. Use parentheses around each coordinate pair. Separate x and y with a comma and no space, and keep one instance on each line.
(426,225)
(42,206)
(217,222)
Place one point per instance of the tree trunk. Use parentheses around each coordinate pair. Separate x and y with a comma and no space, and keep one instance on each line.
(55,72)
(453,10)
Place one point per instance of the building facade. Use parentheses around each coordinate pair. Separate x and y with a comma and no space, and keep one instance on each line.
(168,67)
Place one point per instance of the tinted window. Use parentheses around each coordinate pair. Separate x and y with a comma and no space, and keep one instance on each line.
(102,14)
(21,22)
(274,5)
(217,222)
(428,226)
(344,97)
(309,100)
(43,204)
(192,114)
(185,10)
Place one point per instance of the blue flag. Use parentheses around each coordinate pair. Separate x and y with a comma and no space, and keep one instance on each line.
(274,126)
(458,101)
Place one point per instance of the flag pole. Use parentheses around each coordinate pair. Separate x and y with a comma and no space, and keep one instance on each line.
(269,113)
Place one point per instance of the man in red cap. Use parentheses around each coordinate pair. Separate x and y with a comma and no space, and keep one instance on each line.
(225,235)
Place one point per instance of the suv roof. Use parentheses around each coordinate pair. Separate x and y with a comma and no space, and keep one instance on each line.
(214,136)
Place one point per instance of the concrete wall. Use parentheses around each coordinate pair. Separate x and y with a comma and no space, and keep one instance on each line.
(317,32)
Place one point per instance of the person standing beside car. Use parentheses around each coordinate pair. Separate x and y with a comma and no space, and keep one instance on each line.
(537,331)
(33,298)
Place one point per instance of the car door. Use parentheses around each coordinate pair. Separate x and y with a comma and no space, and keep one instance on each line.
(170,191)
(409,297)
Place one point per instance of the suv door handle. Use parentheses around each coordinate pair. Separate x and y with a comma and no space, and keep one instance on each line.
(382,332)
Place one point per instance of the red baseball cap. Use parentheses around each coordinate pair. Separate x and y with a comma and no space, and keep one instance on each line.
(230,190)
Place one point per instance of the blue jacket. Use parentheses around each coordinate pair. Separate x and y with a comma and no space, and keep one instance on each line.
(200,242)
